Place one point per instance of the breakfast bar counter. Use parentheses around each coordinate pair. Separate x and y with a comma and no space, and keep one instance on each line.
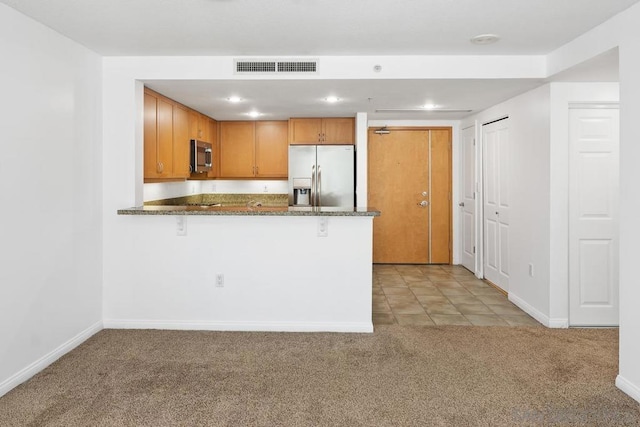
(247,210)
(242,265)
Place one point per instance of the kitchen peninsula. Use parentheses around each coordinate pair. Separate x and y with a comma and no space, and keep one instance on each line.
(250,268)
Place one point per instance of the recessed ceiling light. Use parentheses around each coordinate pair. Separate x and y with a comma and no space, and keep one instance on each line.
(430,106)
(254,114)
(332,99)
(234,99)
(483,39)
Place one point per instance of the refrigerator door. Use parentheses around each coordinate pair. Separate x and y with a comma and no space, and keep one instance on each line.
(335,180)
(302,164)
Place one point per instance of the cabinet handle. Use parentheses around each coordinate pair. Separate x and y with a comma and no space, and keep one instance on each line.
(319,138)
(256,170)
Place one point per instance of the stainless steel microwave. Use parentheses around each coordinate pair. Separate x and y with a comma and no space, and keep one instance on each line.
(201,156)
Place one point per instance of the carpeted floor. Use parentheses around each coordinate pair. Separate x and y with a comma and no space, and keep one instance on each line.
(398,376)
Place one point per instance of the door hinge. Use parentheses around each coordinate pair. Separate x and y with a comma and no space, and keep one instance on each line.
(474,249)
(474,141)
(449,196)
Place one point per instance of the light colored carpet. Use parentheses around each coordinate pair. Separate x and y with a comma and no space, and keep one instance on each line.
(398,376)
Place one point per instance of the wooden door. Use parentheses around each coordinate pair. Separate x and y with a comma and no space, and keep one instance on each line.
(495,141)
(593,217)
(398,176)
(305,131)
(181,145)
(338,131)
(440,196)
(272,149)
(237,157)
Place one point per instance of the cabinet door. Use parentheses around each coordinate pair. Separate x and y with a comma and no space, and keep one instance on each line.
(237,149)
(193,124)
(151,165)
(203,128)
(181,146)
(338,131)
(272,149)
(213,134)
(165,138)
(305,131)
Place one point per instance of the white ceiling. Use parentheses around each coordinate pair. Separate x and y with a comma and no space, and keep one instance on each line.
(331,27)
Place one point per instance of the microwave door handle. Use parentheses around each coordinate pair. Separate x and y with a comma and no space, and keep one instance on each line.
(312,196)
(208,157)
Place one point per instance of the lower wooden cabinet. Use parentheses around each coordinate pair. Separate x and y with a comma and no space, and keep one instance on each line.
(250,149)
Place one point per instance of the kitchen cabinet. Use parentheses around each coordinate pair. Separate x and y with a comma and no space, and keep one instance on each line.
(272,149)
(181,142)
(253,149)
(200,126)
(339,130)
(158,136)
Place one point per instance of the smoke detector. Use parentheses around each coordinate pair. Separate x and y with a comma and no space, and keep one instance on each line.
(483,39)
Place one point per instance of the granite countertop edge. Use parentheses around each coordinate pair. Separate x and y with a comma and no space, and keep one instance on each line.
(243,211)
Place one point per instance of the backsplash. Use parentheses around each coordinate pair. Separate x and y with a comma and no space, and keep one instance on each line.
(167,190)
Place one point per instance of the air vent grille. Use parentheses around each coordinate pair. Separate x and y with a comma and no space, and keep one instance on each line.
(255,67)
(275,66)
(297,67)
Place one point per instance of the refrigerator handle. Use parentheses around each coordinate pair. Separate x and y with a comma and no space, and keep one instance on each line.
(312,196)
(319,185)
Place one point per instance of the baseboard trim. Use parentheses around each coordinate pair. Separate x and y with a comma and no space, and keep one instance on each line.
(46,360)
(537,314)
(357,327)
(628,387)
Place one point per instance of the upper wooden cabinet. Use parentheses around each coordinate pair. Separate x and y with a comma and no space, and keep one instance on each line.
(339,130)
(253,149)
(158,136)
(168,129)
(272,149)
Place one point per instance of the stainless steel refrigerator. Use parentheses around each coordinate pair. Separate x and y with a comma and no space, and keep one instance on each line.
(321,175)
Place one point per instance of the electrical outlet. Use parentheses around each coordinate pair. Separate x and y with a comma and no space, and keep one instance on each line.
(323,226)
(266,189)
(181,225)
(531,270)
(219,280)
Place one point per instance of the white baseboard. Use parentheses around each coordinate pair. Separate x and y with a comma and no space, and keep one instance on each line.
(358,327)
(628,387)
(537,314)
(46,360)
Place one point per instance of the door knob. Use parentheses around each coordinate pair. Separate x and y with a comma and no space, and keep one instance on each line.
(423,203)
(461,204)
(497,213)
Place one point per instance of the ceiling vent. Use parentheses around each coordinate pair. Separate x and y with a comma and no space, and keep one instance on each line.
(246,66)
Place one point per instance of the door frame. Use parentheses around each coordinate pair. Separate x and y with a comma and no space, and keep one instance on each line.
(452,193)
(477,229)
(586,106)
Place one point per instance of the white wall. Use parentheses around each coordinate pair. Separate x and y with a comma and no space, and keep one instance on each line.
(562,96)
(528,187)
(278,274)
(621,31)
(50,176)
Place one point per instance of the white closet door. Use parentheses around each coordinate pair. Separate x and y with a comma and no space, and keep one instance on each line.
(495,142)
(593,217)
(468,204)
